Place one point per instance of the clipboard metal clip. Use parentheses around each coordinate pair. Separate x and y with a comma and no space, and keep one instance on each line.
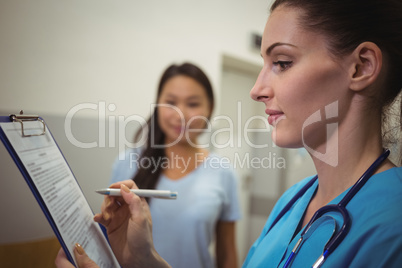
(21,118)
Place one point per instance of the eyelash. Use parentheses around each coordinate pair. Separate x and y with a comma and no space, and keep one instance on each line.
(192,105)
(284,65)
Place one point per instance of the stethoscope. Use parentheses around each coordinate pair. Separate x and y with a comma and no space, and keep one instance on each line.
(337,238)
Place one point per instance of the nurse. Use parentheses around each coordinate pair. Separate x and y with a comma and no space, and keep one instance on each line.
(331,71)
(326,64)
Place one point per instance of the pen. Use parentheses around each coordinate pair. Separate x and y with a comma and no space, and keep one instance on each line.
(140,192)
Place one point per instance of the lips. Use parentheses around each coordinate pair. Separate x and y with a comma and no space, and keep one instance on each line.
(274,116)
(179,129)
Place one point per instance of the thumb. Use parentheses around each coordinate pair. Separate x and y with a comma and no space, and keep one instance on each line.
(83,261)
(133,201)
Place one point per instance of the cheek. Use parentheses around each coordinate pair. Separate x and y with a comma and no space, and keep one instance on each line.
(197,123)
(172,113)
(194,119)
(161,119)
(162,115)
(197,118)
(313,90)
(166,116)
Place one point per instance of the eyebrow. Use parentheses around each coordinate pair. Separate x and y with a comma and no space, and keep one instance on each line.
(271,47)
(194,97)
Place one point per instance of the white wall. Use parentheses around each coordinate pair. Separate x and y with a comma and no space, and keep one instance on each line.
(56,55)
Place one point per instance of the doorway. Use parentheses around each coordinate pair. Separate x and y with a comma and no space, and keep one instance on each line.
(247,143)
(264,170)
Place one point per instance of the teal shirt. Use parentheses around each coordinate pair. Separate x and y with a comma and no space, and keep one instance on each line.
(374,239)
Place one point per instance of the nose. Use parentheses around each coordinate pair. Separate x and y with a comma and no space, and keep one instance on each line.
(180,113)
(173,112)
(262,90)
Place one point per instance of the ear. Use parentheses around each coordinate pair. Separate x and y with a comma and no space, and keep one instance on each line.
(367,63)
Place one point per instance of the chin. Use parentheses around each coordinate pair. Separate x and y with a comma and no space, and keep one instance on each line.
(286,140)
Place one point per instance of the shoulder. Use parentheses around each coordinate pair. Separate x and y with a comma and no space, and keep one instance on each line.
(126,164)
(218,161)
(381,197)
(279,206)
(395,173)
(385,184)
(218,167)
(376,220)
(218,172)
(292,191)
(285,198)
(130,155)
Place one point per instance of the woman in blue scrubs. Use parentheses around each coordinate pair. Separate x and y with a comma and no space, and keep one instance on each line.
(331,71)
(337,58)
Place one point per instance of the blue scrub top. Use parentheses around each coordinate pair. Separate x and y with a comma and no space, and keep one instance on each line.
(374,239)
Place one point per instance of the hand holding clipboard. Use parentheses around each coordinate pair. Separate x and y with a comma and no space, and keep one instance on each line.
(54,186)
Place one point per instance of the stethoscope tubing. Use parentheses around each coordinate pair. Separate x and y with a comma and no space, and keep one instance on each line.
(292,201)
(337,239)
(340,208)
(363,179)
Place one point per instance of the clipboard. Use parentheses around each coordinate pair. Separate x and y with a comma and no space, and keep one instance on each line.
(39,159)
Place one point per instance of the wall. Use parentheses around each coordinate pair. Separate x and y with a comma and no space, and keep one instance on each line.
(57,56)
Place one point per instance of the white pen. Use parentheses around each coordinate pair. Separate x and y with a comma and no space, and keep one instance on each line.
(165,194)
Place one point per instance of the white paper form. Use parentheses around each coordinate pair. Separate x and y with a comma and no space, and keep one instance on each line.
(60,191)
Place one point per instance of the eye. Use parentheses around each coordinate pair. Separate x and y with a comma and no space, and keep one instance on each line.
(284,65)
(194,104)
(170,102)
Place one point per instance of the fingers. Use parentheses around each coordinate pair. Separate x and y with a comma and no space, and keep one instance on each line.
(112,205)
(109,206)
(134,202)
(99,219)
(61,260)
(103,217)
(129,183)
(82,259)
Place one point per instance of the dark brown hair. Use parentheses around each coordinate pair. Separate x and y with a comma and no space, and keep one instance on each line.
(347,24)
(147,178)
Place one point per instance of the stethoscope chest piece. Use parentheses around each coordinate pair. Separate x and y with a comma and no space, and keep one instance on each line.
(324,228)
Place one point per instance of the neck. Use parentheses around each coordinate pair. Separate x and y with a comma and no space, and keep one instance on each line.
(183,159)
(355,151)
(184,150)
